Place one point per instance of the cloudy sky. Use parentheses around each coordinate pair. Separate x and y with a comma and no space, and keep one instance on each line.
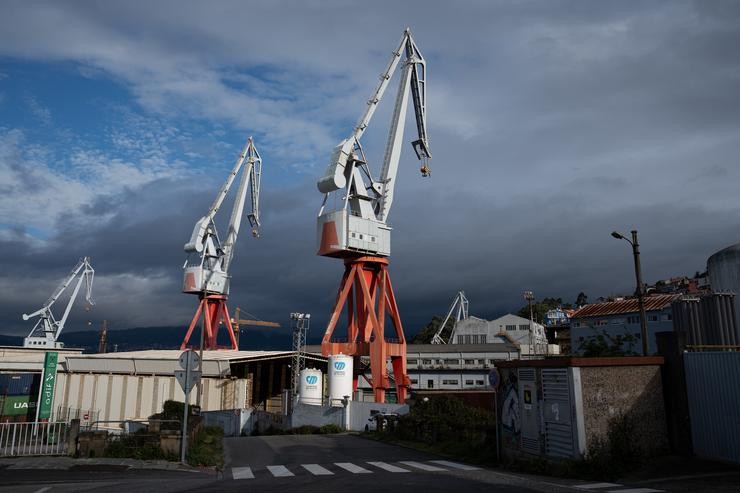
(551,124)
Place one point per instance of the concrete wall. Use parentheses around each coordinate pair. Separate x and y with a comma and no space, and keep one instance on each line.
(359,414)
(633,391)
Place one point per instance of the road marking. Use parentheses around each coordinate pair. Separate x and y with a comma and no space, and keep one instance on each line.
(636,490)
(348,466)
(317,470)
(596,486)
(423,467)
(388,467)
(280,471)
(242,473)
(42,490)
(455,465)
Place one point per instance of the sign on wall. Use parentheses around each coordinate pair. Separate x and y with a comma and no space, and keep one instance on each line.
(46,399)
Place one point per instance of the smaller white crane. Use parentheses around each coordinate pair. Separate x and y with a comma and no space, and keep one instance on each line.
(460,308)
(46,331)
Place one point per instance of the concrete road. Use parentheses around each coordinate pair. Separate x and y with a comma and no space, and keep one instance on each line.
(327,463)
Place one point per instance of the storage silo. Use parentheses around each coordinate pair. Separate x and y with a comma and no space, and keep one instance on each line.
(310,387)
(724,276)
(340,377)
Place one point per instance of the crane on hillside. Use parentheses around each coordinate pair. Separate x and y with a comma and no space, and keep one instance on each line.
(208,276)
(357,229)
(46,331)
(460,308)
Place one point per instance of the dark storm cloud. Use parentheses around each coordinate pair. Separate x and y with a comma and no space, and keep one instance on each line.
(552,124)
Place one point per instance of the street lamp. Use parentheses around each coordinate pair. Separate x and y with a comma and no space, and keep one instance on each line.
(529,296)
(640,287)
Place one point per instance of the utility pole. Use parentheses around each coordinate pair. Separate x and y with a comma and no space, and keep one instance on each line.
(529,296)
(640,290)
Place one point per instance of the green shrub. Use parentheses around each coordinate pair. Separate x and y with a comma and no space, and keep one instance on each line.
(330,429)
(207,448)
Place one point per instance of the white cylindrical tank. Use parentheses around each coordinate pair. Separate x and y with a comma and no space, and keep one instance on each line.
(340,377)
(310,388)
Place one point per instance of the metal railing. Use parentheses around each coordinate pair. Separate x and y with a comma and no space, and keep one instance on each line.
(19,439)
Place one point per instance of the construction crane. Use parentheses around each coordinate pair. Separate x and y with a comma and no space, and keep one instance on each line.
(237,322)
(46,331)
(356,229)
(460,308)
(208,275)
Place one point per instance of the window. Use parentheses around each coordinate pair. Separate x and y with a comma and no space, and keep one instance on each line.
(452,361)
(511,327)
(469,361)
(575,325)
(475,338)
(430,384)
(600,323)
(652,318)
(667,316)
(467,339)
(617,321)
(633,319)
(449,382)
(411,361)
(479,382)
(483,338)
(523,326)
(426,362)
(469,382)
(414,381)
(460,339)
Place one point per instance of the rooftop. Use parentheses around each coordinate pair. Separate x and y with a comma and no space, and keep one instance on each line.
(630,305)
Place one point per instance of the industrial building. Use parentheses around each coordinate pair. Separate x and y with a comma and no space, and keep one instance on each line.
(527,335)
(115,387)
(621,317)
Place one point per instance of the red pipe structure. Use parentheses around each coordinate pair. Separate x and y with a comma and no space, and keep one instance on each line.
(215,314)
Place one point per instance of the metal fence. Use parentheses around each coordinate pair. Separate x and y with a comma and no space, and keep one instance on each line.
(19,439)
(713,390)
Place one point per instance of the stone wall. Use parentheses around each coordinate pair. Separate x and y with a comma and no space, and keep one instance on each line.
(633,391)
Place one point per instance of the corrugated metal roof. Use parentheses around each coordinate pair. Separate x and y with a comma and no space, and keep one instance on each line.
(174,354)
(630,305)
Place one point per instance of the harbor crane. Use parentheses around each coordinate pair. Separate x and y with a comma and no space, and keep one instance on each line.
(356,228)
(208,275)
(46,331)
(459,307)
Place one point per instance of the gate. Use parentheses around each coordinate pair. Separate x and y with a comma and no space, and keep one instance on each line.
(23,439)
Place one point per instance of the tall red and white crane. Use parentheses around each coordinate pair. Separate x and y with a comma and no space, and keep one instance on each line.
(208,275)
(356,229)
(46,331)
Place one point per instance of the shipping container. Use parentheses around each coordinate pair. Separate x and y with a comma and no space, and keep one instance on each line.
(19,383)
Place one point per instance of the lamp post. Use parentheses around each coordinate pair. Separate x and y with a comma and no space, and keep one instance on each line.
(529,296)
(640,286)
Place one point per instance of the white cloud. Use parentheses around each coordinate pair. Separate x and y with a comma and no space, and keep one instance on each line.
(38,110)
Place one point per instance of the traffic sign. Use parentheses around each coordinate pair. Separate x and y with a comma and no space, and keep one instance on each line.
(189,359)
(186,383)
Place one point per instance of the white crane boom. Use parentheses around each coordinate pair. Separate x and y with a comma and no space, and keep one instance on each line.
(46,331)
(361,225)
(211,273)
(460,308)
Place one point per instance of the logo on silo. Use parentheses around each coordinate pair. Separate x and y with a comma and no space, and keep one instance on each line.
(311,379)
(339,365)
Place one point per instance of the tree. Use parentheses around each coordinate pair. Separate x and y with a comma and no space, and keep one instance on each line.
(606,345)
(582,299)
(540,308)
(425,335)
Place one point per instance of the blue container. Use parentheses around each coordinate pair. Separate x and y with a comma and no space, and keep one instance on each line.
(19,383)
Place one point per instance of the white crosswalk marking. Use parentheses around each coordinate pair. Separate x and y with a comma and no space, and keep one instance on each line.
(388,467)
(280,471)
(242,473)
(636,490)
(455,465)
(317,470)
(596,486)
(423,467)
(348,466)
